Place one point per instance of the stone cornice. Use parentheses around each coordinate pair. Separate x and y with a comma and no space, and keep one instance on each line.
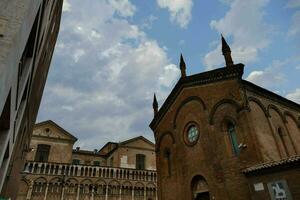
(85,152)
(220,74)
(55,139)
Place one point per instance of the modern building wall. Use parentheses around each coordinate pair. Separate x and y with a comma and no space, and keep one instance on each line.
(28,32)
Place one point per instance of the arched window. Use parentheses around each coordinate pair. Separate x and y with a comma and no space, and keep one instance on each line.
(233,139)
(167,156)
(199,188)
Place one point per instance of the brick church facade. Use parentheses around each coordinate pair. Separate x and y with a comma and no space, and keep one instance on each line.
(221,137)
(55,171)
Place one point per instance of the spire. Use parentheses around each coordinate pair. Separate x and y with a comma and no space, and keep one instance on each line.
(182,66)
(155,105)
(226,52)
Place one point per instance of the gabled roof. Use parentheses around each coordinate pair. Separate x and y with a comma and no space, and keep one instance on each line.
(220,74)
(108,143)
(124,143)
(137,138)
(50,122)
(216,75)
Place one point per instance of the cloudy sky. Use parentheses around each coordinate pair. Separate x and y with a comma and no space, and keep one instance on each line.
(112,55)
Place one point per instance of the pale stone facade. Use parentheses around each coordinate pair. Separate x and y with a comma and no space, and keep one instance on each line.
(66,173)
(28,32)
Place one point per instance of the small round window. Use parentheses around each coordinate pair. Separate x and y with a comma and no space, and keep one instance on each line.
(192,134)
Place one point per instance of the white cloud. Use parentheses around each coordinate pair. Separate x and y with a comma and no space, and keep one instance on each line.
(264,78)
(149,22)
(180,10)
(294,96)
(294,29)
(108,89)
(170,73)
(272,76)
(242,23)
(181,42)
(77,54)
(66,6)
(123,7)
(68,108)
(293,3)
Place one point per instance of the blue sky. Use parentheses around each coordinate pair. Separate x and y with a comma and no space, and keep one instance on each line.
(111,55)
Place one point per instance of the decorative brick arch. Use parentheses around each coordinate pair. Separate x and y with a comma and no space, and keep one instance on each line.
(162,137)
(288,114)
(260,104)
(199,187)
(227,119)
(217,105)
(185,101)
(100,182)
(114,182)
(86,182)
(127,184)
(139,185)
(151,185)
(271,106)
(71,181)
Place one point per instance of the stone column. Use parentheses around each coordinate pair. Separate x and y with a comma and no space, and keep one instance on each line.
(93,191)
(294,149)
(281,153)
(78,191)
(120,197)
(38,171)
(145,195)
(106,193)
(62,192)
(132,194)
(46,191)
(29,192)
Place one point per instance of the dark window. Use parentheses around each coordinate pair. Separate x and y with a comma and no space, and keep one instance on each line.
(5,115)
(4,129)
(233,138)
(42,153)
(282,138)
(140,161)
(111,161)
(96,163)
(76,162)
(167,155)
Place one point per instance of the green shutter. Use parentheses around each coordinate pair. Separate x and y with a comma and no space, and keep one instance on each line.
(233,139)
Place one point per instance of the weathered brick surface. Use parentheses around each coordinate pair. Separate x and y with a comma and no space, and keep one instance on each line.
(292,176)
(212,106)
